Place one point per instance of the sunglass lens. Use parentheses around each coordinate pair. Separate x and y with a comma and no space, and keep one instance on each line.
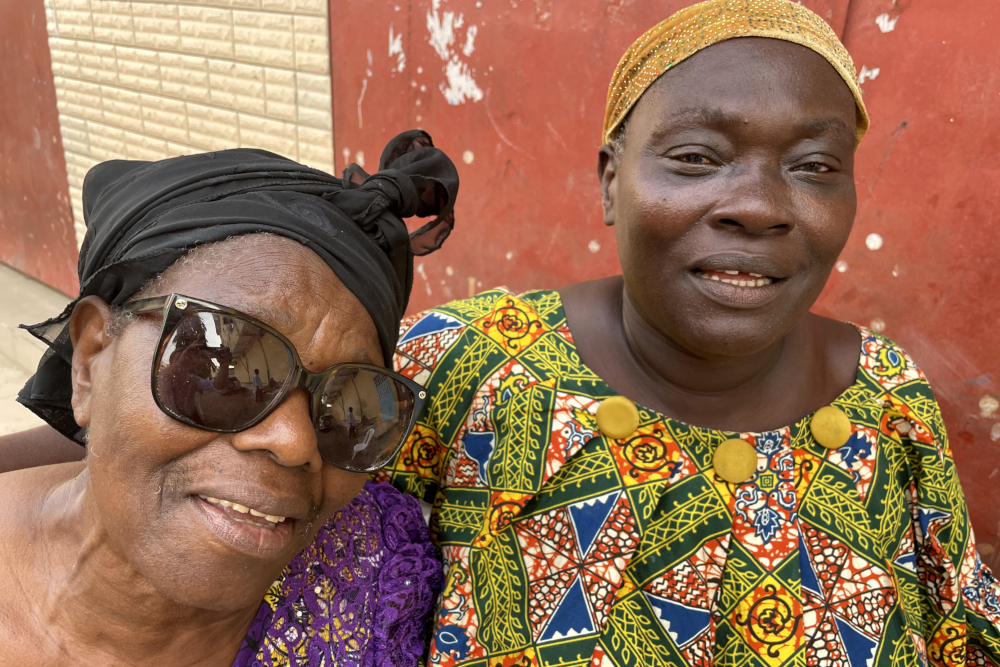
(221,372)
(362,416)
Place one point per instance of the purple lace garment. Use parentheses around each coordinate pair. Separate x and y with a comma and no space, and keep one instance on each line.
(359,595)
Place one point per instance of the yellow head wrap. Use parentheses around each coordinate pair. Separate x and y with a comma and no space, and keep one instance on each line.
(699,26)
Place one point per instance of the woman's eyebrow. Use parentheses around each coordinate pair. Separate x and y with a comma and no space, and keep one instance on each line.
(700,116)
(826,126)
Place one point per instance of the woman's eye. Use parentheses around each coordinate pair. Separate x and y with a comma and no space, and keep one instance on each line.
(693,158)
(816,168)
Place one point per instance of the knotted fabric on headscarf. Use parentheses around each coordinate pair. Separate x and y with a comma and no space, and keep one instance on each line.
(143,216)
(699,26)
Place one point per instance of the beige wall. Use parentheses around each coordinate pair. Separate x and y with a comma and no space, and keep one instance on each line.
(146,80)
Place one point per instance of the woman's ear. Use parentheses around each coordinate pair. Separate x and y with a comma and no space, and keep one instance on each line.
(88,330)
(607,171)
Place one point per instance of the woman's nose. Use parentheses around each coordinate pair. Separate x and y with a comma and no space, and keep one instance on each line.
(757,201)
(287,434)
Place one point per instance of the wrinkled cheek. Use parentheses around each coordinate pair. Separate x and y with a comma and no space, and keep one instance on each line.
(339,487)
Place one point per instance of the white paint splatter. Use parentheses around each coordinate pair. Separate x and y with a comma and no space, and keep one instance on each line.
(461,85)
(347,155)
(359,157)
(885,23)
(470,40)
(868,74)
(510,255)
(422,274)
(450,271)
(468,157)
(594,246)
(873,241)
(361,98)
(842,266)
(442,30)
(988,406)
(877,325)
(396,49)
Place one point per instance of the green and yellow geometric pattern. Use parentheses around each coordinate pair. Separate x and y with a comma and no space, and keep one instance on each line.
(563,546)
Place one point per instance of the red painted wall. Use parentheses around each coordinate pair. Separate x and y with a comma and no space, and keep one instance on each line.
(529,214)
(36,221)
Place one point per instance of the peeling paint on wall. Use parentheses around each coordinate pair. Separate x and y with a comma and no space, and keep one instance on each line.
(886,24)
(867,74)
(459,84)
(396,49)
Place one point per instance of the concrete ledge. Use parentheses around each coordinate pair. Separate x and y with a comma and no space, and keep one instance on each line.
(24,300)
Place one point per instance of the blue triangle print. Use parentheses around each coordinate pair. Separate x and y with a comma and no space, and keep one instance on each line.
(809,579)
(571,618)
(479,447)
(432,323)
(859,646)
(908,560)
(681,622)
(589,516)
(928,516)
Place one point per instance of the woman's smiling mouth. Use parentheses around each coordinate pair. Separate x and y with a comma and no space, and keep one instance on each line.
(735,277)
(738,289)
(245,529)
(269,520)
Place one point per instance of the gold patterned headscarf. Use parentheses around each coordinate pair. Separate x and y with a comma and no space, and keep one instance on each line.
(699,26)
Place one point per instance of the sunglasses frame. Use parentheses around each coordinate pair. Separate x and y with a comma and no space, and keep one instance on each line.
(174,307)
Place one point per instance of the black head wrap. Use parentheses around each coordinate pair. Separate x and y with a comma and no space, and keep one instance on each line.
(143,216)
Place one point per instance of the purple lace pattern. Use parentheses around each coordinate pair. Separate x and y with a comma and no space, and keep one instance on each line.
(359,595)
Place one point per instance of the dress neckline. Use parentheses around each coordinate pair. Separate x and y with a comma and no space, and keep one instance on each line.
(843,398)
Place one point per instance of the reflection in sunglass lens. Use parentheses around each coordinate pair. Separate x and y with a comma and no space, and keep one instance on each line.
(221,372)
(361,416)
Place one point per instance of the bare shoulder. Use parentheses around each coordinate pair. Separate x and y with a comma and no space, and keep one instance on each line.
(23,494)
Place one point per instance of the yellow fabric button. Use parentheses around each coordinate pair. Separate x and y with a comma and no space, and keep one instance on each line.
(831,427)
(735,461)
(617,417)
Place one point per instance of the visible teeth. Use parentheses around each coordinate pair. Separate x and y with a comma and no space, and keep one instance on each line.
(756,275)
(705,276)
(243,509)
(760,282)
(732,273)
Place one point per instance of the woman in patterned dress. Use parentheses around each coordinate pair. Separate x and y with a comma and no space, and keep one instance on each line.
(682,465)
(220,518)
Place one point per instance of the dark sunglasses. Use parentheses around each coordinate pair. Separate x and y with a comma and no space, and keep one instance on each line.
(221,370)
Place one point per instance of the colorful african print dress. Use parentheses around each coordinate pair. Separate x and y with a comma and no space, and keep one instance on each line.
(563,546)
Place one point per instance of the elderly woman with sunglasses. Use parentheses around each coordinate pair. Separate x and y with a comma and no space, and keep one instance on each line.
(225,365)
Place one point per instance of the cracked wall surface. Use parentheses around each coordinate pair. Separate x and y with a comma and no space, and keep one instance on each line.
(150,80)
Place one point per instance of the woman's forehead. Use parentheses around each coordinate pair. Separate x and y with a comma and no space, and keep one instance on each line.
(773,76)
